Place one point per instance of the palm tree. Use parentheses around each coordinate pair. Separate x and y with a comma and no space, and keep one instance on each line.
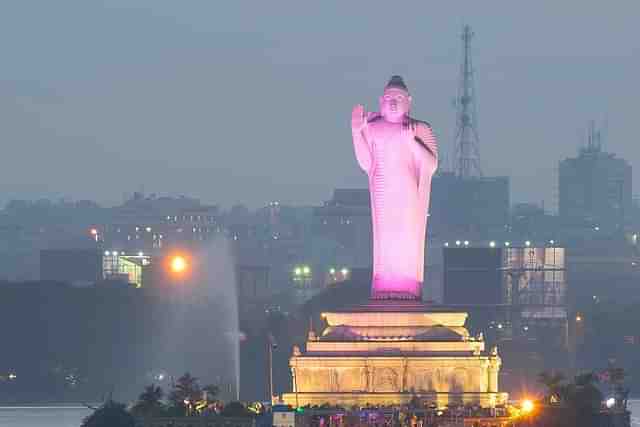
(555,386)
(587,396)
(186,391)
(212,391)
(149,402)
(111,414)
(185,388)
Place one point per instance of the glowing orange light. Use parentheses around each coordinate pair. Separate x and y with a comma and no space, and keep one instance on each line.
(178,264)
(527,406)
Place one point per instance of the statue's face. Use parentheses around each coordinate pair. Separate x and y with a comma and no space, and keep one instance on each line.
(395,104)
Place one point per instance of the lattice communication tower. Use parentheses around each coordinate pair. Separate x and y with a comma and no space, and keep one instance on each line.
(467,155)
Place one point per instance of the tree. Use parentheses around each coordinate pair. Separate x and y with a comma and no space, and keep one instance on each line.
(576,404)
(236,409)
(212,391)
(588,397)
(186,388)
(149,402)
(186,392)
(111,414)
(554,384)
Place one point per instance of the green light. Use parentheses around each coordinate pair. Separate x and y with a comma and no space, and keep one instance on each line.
(297,271)
(306,270)
(300,410)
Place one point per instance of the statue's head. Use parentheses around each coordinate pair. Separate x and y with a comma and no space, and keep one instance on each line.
(395,102)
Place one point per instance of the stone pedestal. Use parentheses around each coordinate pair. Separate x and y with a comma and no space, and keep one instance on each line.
(388,353)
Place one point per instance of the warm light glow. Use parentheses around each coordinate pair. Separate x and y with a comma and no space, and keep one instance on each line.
(578,318)
(306,270)
(178,264)
(610,402)
(94,232)
(527,406)
(297,271)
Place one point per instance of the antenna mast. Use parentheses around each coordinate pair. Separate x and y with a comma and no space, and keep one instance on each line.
(467,154)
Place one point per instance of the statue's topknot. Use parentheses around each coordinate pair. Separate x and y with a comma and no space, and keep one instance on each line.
(397,82)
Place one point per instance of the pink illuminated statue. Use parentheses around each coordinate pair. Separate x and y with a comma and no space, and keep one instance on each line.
(399,154)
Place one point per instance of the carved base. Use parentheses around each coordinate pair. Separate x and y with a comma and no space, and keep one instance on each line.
(388,353)
(363,399)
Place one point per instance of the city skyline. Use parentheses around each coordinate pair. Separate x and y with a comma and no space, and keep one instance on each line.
(211,102)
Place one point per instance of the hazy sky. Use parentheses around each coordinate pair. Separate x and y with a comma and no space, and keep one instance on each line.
(250,101)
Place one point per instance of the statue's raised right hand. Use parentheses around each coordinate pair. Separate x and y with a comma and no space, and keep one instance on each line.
(358,118)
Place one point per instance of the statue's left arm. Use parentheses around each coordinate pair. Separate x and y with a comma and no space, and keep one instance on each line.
(426,147)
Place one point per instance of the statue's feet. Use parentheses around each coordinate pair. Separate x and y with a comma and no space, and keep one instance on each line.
(395,288)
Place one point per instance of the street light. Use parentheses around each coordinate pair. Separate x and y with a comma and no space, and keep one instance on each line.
(178,264)
(271,344)
(610,402)
(527,406)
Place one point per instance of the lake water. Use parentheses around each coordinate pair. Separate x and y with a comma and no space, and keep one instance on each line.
(43,416)
(72,416)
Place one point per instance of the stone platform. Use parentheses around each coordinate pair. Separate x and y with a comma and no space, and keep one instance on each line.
(385,353)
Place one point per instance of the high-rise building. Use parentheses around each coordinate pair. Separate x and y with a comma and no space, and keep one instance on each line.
(473,276)
(151,224)
(469,207)
(529,283)
(346,219)
(75,266)
(595,187)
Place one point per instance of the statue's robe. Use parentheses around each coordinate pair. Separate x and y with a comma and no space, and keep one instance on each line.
(400,164)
